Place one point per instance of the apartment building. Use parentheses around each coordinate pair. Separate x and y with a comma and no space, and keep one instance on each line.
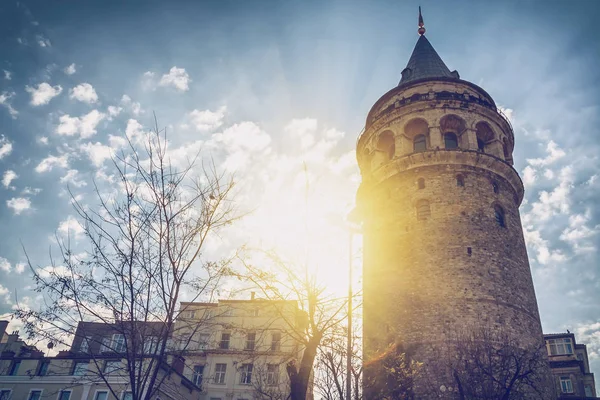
(93,365)
(570,366)
(239,349)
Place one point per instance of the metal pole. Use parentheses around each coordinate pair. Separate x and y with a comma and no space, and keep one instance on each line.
(349,344)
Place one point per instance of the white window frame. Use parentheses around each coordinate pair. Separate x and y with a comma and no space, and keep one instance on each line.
(35,390)
(275,345)
(84,346)
(39,368)
(250,344)
(4,391)
(98,391)
(58,396)
(195,375)
(273,376)
(228,341)
(151,345)
(116,343)
(220,374)
(75,369)
(560,347)
(124,392)
(566,381)
(246,374)
(14,371)
(108,371)
(203,339)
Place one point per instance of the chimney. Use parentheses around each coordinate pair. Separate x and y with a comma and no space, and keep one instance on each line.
(252,294)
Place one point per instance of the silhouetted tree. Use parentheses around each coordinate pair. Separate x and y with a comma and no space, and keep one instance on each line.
(145,243)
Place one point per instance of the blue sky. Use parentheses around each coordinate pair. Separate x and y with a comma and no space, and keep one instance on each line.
(265,87)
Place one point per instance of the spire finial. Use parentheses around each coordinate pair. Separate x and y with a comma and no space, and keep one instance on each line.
(421,24)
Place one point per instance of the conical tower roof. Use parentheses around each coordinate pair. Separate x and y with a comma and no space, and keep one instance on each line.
(425,63)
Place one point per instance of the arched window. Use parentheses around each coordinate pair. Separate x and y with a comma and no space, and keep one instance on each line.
(480,145)
(421,183)
(500,217)
(386,144)
(423,210)
(450,141)
(420,143)
(460,180)
(495,187)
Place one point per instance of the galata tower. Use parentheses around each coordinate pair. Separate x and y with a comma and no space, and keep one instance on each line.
(444,251)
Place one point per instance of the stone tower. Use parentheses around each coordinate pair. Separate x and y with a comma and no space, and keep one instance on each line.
(443,243)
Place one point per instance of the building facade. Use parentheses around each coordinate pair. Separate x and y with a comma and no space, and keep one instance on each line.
(570,366)
(239,349)
(94,368)
(444,251)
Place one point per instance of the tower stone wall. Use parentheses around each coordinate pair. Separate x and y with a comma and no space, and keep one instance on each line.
(444,250)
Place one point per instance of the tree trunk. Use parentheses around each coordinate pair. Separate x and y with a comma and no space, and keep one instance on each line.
(300,378)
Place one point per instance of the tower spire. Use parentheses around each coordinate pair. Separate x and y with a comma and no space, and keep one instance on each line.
(421,24)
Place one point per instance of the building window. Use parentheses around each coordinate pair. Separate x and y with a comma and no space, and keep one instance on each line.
(420,143)
(246,374)
(276,341)
(208,314)
(43,369)
(220,371)
(480,145)
(255,312)
(198,373)
(203,339)
(566,386)
(80,368)
(450,141)
(5,394)
(580,357)
(421,183)
(189,314)
(14,368)
(225,338)
(151,345)
(112,366)
(423,210)
(561,346)
(228,312)
(64,395)
(495,187)
(386,144)
(588,391)
(84,347)
(460,180)
(272,374)
(499,215)
(35,395)
(118,343)
(250,340)
(101,395)
(127,396)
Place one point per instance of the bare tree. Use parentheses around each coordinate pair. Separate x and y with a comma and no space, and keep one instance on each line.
(487,364)
(282,280)
(145,245)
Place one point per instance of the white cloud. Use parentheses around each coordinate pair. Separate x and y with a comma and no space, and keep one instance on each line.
(84,92)
(113,111)
(578,233)
(72,178)
(7,75)
(5,147)
(43,94)
(43,42)
(117,142)
(97,152)
(555,202)
(544,254)
(207,120)
(31,191)
(134,130)
(48,163)
(18,204)
(6,267)
(70,70)
(554,153)
(20,267)
(589,333)
(178,78)
(8,177)
(85,125)
(5,101)
(71,226)
(135,107)
(43,140)
(529,175)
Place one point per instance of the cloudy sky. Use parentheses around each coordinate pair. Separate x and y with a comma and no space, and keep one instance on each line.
(277,93)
